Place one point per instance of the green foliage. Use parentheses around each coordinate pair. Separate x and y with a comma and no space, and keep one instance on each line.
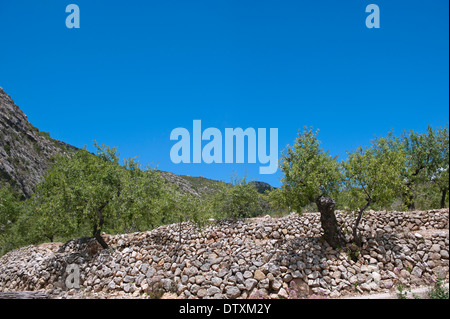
(427,160)
(428,195)
(374,175)
(440,175)
(402,292)
(11,208)
(241,200)
(309,172)
(85,194)
(439,291)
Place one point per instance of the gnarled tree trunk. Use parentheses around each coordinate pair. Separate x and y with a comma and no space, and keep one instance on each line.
(443,197)
(98,227)
(332,233)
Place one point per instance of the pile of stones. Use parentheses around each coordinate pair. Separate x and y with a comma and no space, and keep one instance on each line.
(257,258)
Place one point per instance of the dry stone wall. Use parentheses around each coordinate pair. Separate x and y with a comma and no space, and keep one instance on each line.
(260,258)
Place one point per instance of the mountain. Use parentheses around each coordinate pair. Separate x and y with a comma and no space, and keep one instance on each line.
(195,185)
(25,152)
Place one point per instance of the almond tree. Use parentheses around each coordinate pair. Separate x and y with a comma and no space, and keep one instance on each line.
(93,192)
(426,162)
(311,175)
(374,176)
(441,172)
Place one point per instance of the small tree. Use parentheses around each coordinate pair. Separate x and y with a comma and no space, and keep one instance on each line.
(311,175)
(87,191)
(440,176)
(239,200)
(374,176)
(421,151)
(11,208)
(427,163)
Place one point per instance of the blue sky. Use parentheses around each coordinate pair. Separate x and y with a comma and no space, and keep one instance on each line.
(136,70)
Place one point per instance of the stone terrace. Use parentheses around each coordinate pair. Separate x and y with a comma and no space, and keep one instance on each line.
(254,258)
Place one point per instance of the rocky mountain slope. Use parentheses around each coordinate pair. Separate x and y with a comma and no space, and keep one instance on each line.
(195,185)
(25,152)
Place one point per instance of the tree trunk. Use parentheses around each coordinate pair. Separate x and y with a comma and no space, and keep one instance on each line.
(444,195)
(411,202)
(98,229)
(356,238)
(98,236)
(332,233)
(410,197)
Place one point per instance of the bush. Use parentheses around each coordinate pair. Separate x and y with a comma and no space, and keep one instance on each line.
(439,291)
(241,200)
(11,208)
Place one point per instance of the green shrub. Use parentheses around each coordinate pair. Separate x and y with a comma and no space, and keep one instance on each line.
(241,200)
(439,291)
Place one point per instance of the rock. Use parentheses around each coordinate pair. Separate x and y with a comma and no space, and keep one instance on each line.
(336,274)
(250,284)
(314,282)
(354,280)
(417,272)
(248,274)
(111,285)
(232,292)
(213,291)
(376,277)
(128,279)
(239,278)
(335,294)
(436,248)
(259,275)
(202,293)
(216,281)
(373,286)
(150,273)
(366,287)
(265,284)
(199,279)
(277,284)
(191,271)
(287,278)
(313,275)
(301,265)
(275,270)
(283,293)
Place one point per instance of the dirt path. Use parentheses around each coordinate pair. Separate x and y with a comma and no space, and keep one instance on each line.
(420,292)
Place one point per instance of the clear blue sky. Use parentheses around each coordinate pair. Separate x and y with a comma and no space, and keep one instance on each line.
(136,70)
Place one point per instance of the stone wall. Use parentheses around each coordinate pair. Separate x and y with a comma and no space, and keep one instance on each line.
(264,257)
